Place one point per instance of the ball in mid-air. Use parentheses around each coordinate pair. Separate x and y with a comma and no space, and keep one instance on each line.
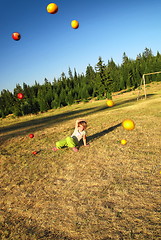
(16,36)
(128,124)
(74,24)
(52,8)
(110,103)
(123,141)
(31,135)
(20,95)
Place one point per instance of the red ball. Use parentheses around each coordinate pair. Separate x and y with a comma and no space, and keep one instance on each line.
(20,95)
(31,135)
(16,36)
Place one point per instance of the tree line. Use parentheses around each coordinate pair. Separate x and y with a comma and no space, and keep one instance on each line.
(97,82)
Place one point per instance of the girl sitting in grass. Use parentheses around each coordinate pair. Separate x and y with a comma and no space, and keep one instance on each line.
(73,140)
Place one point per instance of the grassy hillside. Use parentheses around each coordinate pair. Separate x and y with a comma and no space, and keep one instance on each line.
(107,191)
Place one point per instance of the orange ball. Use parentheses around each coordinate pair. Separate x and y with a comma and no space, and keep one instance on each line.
(110,103)
(128,124)
(75,24)
(52,8)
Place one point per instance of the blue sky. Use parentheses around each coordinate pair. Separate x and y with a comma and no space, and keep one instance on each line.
(49,46)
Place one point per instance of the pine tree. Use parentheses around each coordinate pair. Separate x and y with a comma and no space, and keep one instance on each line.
(70,74)
(56,101)
(42,99)
(91,79)
(105,88)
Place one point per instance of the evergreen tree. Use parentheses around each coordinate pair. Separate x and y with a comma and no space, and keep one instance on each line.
(101,76)
(70,74)
(69,98)
(105,88)
(91,79)
(125,58)
(100,82)
(42,99)
(56,101)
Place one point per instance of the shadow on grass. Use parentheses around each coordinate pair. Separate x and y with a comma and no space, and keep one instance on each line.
(133,100)
(31,126)
(20,225)
(100,134)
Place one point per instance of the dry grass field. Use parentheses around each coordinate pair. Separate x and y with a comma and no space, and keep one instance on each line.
(106,191)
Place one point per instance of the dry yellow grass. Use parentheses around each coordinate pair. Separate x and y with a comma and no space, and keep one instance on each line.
(105,191)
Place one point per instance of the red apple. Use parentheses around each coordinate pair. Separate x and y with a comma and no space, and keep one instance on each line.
(31,135)
(20,95)
(34,152)
(16,36)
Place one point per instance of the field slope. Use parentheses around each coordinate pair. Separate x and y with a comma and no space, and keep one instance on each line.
(107,191)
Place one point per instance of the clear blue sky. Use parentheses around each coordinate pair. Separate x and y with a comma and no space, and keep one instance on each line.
(49,46)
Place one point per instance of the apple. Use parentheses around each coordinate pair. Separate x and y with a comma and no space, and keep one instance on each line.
(34,152)
(20,95)
(16,36)
(31,135)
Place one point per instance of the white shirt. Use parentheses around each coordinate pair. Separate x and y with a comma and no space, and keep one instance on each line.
(78,135)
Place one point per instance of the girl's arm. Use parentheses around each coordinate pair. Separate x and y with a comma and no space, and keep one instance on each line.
(85,141)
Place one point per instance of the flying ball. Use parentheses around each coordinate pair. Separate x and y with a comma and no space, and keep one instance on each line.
(110,103)
(123,141)
(52,8)
(16,36)
(31,135)
(20,95)
(74,24)
(128,124)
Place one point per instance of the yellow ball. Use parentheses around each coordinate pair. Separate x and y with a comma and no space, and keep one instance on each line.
(52,8)
(128,124)
(75,24)
(123,141)
(110,103)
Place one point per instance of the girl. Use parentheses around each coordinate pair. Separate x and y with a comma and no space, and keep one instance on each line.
(73,140)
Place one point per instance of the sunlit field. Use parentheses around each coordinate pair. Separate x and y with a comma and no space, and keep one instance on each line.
(107,191)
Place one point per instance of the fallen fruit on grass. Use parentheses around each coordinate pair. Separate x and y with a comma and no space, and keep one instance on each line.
(128,124)
(110,103)
(31,135)
(34,152)
(123,141)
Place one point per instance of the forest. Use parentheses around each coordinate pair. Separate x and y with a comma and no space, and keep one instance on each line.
(97,82)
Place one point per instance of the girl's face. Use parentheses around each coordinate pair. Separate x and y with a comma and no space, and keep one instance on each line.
(81,128)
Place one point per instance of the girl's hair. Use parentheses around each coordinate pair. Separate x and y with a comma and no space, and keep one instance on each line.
(83,123)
